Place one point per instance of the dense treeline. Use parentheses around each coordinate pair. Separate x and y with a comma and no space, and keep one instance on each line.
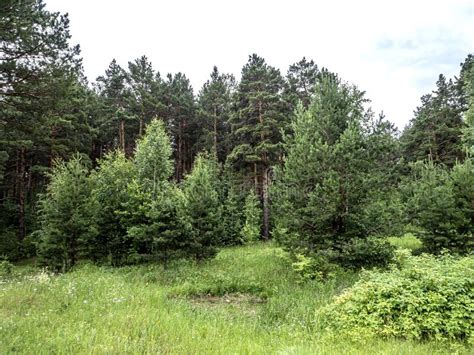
(136,166)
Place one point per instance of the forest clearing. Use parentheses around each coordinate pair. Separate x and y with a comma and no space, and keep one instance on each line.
(247,300)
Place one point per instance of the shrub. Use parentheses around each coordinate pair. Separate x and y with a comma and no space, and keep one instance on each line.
(316,267)
(364,252)
(6,267)
(421,297)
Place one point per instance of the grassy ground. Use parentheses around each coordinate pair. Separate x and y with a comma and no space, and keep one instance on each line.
(245,301)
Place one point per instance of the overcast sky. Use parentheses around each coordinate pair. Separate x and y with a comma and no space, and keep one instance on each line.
(394,50)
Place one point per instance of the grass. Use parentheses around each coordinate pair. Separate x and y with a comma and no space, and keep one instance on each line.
(245,301)
(407,241)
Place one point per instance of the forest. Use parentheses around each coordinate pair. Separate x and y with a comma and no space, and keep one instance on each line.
(271,213)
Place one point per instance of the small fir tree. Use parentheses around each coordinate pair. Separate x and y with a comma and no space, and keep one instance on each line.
(253,218)
(440,203)
(201,209)
(110,192)
(67,216)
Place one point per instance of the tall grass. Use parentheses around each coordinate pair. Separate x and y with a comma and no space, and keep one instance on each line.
(179,309)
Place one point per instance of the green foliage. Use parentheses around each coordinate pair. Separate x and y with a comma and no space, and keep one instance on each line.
(424,298)
(335,178)
(161,231)
(253,218)
(364,252)
(214,109)
(435,131)
(151,213)
(201,209)
(316,267)
(153,157)
(123,310)
(233,217)
(6,268)
(111,194)
(440,203)
(68,229)
(407,241)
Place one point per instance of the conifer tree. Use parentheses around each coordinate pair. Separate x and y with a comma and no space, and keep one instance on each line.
(39,104)
(114,92)
(110,191)
(259,117)
(435,131)
(233,217)
(253,218)
(179,115)
(323,192)
(67,216)
(214,108)
(152,158)
(300,81)
(201,208)
(440,203)
(152,209)
(147,92)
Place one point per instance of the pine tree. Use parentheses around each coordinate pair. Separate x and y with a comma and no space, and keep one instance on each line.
(152,157)
(147,92)
(257,122)
(435,131)
(253,218)
(115,94)
(201,208)
(467,86)
(179,116)
(40,72)
(152,210)
(323,192)
(67,216)
(110,192)
(233,217)
(440,203)
(214,108)
(300,81)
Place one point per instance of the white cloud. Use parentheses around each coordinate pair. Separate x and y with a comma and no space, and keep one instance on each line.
(390,49)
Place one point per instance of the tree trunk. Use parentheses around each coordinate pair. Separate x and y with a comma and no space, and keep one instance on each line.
(140,129)
(266,205)
(122,135)
(179,157)
(255,172)
(215,131)
(21,195)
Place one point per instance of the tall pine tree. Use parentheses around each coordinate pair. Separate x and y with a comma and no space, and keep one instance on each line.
(259,116)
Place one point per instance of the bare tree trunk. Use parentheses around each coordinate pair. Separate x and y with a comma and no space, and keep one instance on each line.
(179,157)
(21,196)
(122,135)
(255,172)
(266,205)
(215,130)
(140,129)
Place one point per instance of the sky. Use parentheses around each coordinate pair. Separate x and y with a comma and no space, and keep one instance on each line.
(393,50)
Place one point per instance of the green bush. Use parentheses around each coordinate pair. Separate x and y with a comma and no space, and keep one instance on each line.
(316,267)
(421,297)
(364,252)
(6,268)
